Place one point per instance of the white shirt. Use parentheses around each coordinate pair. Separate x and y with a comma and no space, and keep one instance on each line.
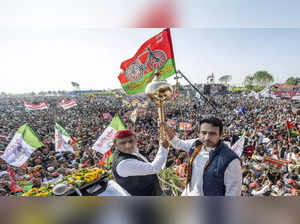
(133,167)
(232,175)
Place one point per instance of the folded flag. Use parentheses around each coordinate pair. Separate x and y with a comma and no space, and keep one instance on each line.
(20,148)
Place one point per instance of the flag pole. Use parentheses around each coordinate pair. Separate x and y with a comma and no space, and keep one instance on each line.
(197,90)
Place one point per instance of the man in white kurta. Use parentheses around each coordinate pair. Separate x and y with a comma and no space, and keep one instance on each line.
(210,136)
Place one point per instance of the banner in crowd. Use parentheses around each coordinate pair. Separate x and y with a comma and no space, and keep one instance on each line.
(69,104)
(185,126)
(107,116)
(171,123)
(276,162)
(105,141)
(62,140)
(155,54)
(40,106)
(20,148)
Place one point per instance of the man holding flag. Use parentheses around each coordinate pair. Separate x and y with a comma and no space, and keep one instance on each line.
(132,170)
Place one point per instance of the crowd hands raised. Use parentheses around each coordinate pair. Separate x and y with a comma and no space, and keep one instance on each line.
(264,123)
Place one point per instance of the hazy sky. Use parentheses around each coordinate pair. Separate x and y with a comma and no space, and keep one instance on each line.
(44,45)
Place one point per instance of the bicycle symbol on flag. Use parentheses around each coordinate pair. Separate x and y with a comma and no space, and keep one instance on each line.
(155,60)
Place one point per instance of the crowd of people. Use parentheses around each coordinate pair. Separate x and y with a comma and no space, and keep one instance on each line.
(264,124)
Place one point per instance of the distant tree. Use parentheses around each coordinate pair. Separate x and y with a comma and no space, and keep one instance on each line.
(263,78)
(249,81)
(225,78)
(293,80)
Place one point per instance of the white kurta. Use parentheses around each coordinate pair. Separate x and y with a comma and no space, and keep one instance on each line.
(134,167)
(232,176)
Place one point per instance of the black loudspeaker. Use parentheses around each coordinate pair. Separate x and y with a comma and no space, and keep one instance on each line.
(206,89)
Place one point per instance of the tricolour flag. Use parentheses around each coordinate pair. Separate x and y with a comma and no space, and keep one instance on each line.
(105,141)
(40,106)
(155,54)
(62,140)
(68,105)
(20,148)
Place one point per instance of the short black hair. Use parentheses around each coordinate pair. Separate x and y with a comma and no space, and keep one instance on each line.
(215,122)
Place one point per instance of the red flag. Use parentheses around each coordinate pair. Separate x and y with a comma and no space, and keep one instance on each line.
(13,187)
(289,125)
(155,54)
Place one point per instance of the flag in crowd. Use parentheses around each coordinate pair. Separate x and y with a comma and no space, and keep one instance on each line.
(107,116)
(105,141)
(40,106)
(241,110)
(276,162)
(20,148)
(185,126)
(238,147)
(91,99)
(135,102)
(171,123)
(69,104)
(13,183)
(155,54)
(291,128)
(62,140)
(134,115)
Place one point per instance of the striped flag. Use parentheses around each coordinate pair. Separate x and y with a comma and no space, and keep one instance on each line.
(40,106)
(69,104)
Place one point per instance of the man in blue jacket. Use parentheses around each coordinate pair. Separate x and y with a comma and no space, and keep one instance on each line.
(214,169)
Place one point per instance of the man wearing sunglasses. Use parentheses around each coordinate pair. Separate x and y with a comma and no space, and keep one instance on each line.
(132,170)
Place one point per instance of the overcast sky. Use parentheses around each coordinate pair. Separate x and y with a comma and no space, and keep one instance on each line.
(44,45)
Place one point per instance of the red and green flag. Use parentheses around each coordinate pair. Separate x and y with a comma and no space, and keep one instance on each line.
(155,54)
(291,128)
